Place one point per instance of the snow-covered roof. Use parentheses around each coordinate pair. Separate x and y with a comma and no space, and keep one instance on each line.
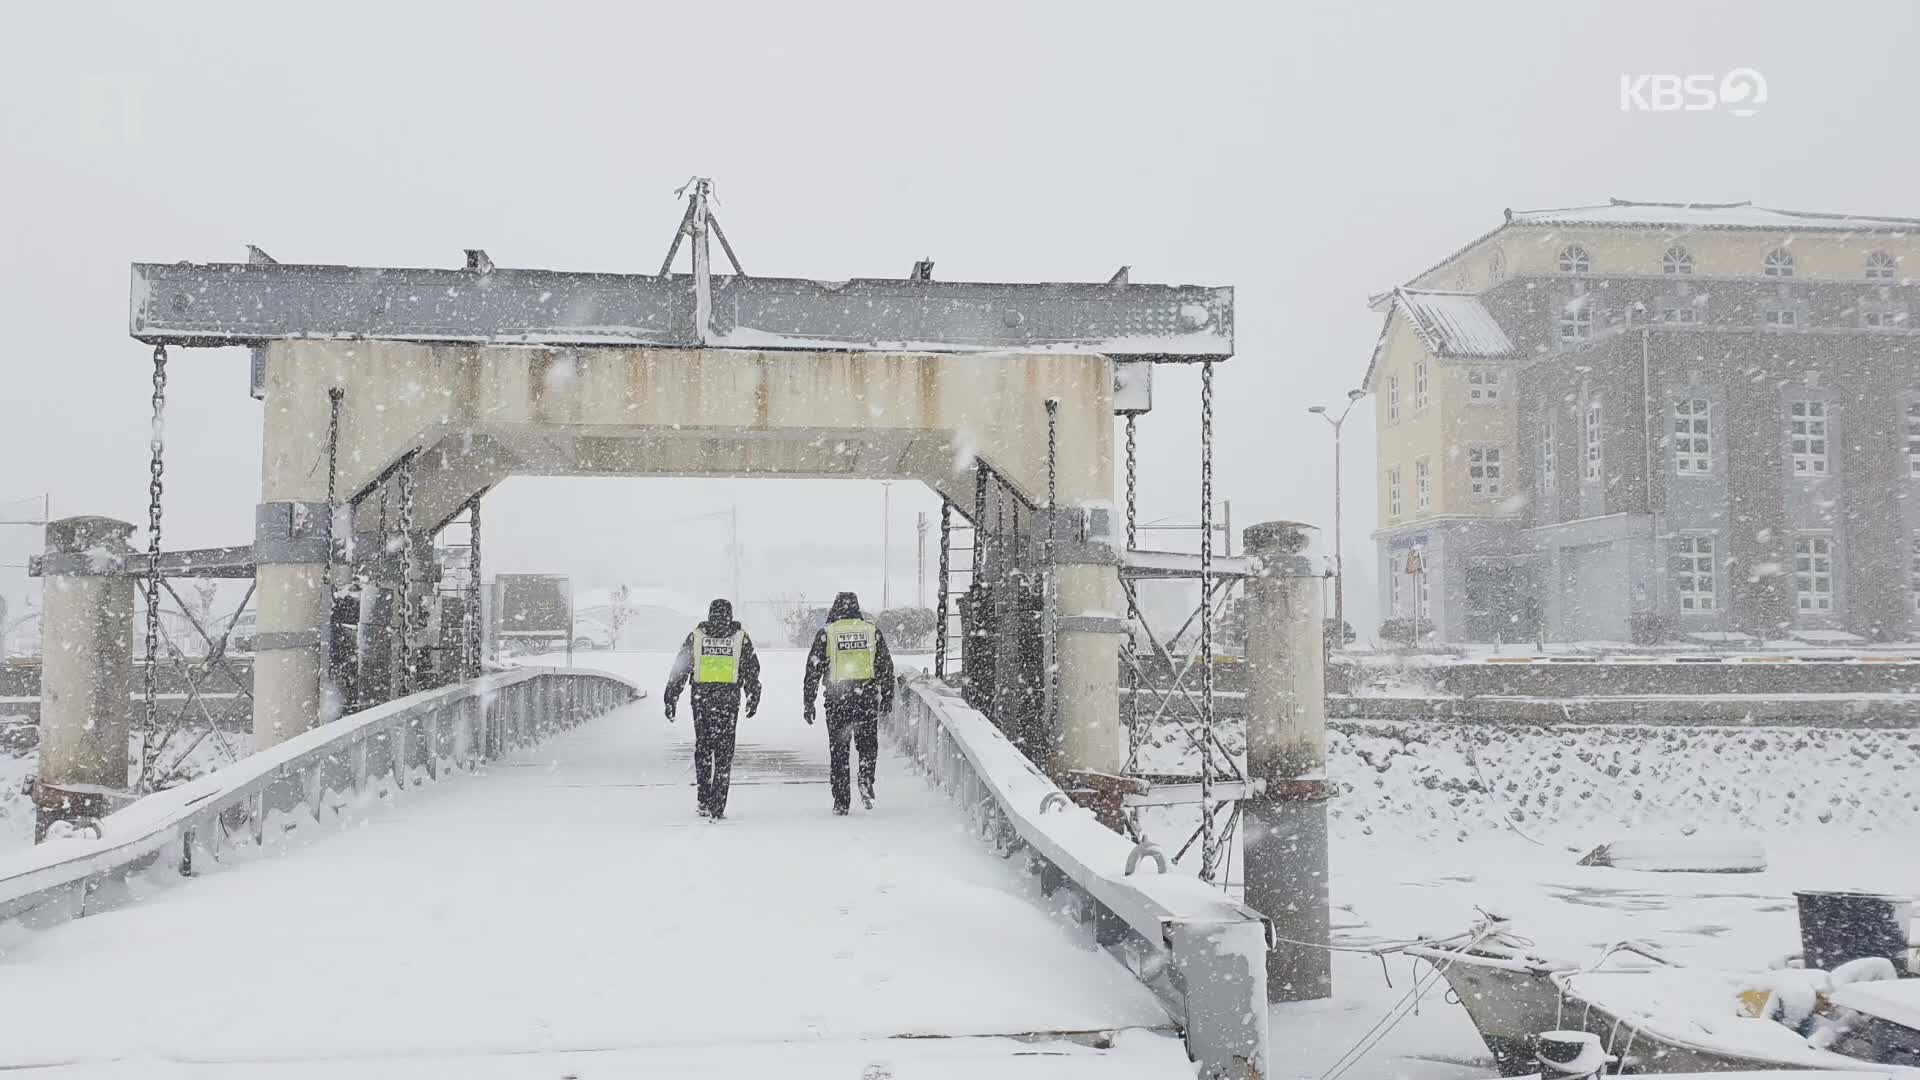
(1454,323)
(1623,213)
(1451,324)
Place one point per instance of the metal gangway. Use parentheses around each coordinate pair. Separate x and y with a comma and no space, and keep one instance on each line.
(510,866)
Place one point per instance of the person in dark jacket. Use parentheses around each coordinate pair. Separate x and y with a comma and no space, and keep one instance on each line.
(718,661)
(850,656)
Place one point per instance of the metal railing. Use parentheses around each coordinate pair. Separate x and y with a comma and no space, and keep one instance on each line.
(397,745)
(1203,955)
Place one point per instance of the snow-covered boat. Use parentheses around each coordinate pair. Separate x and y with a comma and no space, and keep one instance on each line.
(1658,1017)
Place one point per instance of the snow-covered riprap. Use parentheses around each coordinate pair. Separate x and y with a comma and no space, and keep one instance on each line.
(1446,780)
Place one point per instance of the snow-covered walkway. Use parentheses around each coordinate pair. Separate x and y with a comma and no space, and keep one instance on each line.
(565,912)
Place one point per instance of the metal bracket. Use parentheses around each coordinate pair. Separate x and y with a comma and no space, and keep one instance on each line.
(290,533)
(1090,624)
(277,640)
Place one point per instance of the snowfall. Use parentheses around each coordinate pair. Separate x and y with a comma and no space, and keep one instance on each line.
(565,913)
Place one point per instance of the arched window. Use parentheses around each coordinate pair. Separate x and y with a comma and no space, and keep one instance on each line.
(1883,266)
(1573,260)
(1678,260)
(1779,263)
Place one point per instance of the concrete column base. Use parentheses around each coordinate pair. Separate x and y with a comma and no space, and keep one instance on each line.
(1286,876)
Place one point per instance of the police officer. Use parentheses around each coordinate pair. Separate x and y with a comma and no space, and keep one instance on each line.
(718,660)
(850,655)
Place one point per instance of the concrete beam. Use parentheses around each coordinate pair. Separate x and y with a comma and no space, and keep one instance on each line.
(254,303)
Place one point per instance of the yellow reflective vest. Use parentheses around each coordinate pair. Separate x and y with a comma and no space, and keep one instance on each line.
(850,647)
(717,659)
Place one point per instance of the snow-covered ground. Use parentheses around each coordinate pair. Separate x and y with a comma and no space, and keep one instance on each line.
(565,911)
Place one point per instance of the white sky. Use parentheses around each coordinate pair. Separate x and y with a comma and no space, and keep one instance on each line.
(1306,156)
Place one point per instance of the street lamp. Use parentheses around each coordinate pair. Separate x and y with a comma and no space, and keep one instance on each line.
(1339,569)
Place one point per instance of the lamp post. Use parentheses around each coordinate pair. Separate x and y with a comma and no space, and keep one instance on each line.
(1339,568)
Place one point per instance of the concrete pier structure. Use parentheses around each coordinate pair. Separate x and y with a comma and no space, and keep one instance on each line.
(465,417)
(86,680)
(1286,823)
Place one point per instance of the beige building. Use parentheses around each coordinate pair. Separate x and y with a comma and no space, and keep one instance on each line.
(1480,495)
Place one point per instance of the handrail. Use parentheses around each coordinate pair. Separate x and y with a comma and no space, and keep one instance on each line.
(422,733)
(1202,954)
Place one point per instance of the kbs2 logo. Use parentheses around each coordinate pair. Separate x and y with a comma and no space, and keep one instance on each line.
(1741,92)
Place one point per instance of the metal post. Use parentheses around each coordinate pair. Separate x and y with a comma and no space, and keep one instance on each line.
(733,519)
(886,545)
(920,583)
(86,674)
(1286,822)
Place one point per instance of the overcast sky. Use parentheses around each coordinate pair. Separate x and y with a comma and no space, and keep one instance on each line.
(1307,157)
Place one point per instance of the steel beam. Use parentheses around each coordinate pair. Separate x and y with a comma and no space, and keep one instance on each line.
(247,304)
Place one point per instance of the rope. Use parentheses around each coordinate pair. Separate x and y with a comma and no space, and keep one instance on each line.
(1399,1011)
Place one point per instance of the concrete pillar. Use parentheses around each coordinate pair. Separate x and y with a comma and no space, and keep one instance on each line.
(86,674)
(1088,628)
(1286,826)
(289,550)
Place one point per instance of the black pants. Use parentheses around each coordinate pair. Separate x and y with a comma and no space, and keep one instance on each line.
(864,733)
(713,735)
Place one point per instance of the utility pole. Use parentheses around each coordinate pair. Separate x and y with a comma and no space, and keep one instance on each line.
(920,590)
(886,545)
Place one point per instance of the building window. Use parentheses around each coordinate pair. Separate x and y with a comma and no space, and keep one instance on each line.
(1483,384)
(1420,367)
(1422,485)
(1393,399)
(1784,318)
(1913,578)
(1807,437)
(1592,440)
(1396,603)
(1693,571)
(1576,320)
(1913,439)
(1677,260)
(1882,266)
(1483,471)
(1573,260)
(1883,320)
(1422,607)
(1393,493)
(1693,436)
(1813,573)
(1685,315)
(1779,263)
(1547,479)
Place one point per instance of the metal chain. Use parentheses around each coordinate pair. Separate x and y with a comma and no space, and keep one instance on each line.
(1050,582)
(403,661)
(156,469)
(1128,651)
(476,637)
(334,395)
(1207,852)
(946,548)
